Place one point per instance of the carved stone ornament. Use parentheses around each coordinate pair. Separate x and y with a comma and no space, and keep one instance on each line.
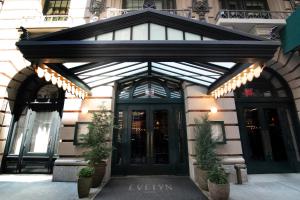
(200,7)
(97,6)
(149,4)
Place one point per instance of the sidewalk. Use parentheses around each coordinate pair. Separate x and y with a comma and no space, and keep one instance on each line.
(268,187)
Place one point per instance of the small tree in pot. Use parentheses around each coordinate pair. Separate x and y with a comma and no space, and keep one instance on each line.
(96,142)
(84,181)
(218,185)
(205,151)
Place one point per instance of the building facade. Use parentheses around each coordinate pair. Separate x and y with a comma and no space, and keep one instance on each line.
(155,111)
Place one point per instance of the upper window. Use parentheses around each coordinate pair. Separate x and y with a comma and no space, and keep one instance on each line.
(56,7)
(138,4)
(244,4)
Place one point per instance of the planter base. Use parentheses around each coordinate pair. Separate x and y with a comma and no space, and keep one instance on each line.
(218,191)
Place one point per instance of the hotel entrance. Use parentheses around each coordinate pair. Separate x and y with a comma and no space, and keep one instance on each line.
(150,138)
(266,122)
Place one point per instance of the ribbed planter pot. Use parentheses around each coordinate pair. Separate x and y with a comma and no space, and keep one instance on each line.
(218,191)
(83,186)
(99,174)
(201,178)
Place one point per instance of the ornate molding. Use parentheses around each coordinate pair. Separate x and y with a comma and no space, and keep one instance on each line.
(97,6)
(149,4)
(200,7)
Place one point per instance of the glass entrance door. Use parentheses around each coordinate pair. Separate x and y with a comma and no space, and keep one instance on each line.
(33,141)
(265,138)
(149,143)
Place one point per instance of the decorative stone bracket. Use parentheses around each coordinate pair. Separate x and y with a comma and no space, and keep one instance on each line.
(97,6)
(200,7)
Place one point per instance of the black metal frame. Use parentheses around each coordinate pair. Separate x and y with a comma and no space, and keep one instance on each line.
(242,4)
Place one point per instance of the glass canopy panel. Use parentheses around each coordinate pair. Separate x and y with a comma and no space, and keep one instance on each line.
(206,38)
(115,78)
(140,32)
(105,36)
(179,76)
(192,69)
(184,73)
(174,34)
(95,68)
(74,64)
(123,34)
(224,64)
(191,36)
(157,32)
(107,69)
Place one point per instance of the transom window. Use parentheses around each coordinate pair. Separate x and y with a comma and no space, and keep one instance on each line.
(266,86)
(150,89)
(56,7)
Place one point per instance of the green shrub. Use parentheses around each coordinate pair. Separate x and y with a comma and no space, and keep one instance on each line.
(206,156)
(86,172)
(217,175)
(97,137)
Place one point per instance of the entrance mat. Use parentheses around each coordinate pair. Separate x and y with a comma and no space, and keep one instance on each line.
(150,188)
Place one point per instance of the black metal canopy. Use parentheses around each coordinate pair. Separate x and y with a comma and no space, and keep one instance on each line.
(105,61)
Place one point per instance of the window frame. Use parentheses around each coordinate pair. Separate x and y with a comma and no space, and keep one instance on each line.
(47,7)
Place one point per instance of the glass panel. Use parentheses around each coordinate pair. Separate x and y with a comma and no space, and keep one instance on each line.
(19,129)
(254,134)
(105,36)
(123,34)
(206,38)
(191,36)
(157,32)
(43,124)
(275,135)
(160,137)
(174,34)
(138,137)
(118,139)
(140,32)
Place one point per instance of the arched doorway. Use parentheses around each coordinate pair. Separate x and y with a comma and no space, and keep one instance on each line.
(150,138)
(267,119)
(33,137)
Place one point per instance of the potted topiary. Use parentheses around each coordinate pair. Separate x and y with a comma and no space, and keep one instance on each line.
(218,185)
(205,151)
(96,142)
(84,181)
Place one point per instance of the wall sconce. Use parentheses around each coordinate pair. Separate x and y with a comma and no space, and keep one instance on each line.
(213,109)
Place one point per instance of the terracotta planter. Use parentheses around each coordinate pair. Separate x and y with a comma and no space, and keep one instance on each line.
(83,186)
(201,178)
(99,174)
(218,191)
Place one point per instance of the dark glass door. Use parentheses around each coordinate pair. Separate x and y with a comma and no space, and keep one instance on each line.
(147,142)
(265,138)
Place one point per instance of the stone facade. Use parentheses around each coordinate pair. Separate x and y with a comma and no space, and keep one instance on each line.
(14,69)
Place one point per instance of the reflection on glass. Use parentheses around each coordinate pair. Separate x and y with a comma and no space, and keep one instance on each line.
(42,127)
(138,137)
(118,139)
(254,133)
(276,138)
(18,134)
(160,137)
